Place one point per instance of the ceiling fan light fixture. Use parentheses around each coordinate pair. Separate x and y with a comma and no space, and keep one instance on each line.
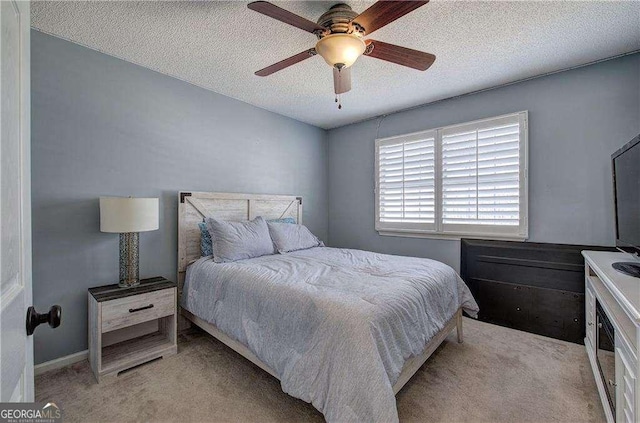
(340,49)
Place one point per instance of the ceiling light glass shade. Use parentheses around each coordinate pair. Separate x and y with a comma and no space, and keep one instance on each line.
(340,48)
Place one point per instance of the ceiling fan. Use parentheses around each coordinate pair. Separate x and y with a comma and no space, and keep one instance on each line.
(341,33)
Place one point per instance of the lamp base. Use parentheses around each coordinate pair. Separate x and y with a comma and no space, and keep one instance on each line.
(128,284)
(129,260)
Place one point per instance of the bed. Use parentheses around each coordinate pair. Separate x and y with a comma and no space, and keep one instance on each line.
(342,329)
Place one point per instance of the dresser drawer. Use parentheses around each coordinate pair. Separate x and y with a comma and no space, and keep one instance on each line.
(136,309)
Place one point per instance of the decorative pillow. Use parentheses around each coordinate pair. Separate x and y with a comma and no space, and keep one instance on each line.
(206,249)
(239,240)
(287,237)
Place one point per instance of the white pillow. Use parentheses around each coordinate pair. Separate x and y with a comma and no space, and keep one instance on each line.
(232,241)
(288,237)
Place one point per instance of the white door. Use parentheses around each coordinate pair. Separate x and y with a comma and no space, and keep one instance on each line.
(16,349)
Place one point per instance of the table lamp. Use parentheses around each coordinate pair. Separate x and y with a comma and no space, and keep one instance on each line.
(128,216)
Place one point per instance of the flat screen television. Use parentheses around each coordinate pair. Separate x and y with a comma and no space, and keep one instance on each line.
(626,194)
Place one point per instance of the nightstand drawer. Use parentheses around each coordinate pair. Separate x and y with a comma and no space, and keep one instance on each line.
(128,311)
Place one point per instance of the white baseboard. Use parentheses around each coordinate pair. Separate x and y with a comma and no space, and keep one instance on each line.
(61,362)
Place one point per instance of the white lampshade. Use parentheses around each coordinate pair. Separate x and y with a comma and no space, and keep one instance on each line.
(126,214)
(340,48)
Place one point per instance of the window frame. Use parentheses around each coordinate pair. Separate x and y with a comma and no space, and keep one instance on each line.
(451,231)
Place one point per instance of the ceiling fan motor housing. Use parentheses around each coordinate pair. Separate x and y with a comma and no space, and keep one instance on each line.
(338,19)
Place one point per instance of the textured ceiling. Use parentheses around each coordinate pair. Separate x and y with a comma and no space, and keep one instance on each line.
(218,45)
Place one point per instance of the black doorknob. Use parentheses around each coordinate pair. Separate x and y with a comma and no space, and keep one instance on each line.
(34,318)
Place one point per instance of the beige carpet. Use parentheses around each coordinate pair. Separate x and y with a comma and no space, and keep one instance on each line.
(497,375)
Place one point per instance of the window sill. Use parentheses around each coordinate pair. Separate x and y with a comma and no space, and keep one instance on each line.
(449,236)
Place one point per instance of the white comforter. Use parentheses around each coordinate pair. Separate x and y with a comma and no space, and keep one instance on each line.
(336,325)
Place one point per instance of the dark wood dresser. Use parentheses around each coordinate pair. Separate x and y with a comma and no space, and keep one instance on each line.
(534,287)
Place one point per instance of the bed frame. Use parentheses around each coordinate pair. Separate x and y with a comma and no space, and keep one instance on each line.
(193,207)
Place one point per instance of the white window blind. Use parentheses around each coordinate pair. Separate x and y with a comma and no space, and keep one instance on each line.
(462,180)
(406,182)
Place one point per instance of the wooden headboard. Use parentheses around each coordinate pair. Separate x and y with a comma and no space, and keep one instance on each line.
(193,207)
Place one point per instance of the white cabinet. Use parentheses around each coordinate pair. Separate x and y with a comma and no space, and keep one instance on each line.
(626,382)
(612,306)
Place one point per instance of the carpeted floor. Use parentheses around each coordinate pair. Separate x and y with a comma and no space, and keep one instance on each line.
(496,375)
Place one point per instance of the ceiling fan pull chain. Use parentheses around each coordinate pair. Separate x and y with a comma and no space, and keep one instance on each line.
(339,102)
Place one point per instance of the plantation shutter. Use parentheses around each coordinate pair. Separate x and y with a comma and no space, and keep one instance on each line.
(406,182)
(482,177)
(461,180)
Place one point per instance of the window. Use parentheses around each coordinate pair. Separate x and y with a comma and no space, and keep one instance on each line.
(406,182)
(461,180)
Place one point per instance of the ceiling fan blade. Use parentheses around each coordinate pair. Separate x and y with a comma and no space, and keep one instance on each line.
(384,12)
(400,55)
(287,62)
(285,16)
(341,80)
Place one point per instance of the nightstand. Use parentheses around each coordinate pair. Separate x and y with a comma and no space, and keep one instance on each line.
(131,326)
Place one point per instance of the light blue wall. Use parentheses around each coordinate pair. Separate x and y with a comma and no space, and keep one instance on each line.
(576,120)
(102,126)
